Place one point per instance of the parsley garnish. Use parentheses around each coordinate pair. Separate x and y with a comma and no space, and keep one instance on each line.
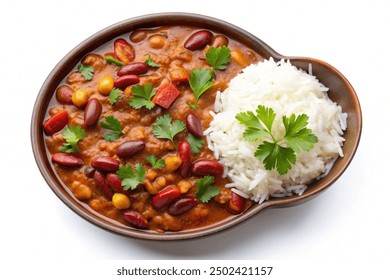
(131,178)
(72,135)
(277,153)
(218,58)
(86,71)
(115,61)
(142,96)
(163,128)
(156,163)
(115,128)
(115,95)
(149,61)
(200,81)
(205,191)
(196,143)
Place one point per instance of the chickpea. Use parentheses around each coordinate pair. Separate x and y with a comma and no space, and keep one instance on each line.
(151,188)
(161,182)
(151,175)
(83,192)
(172,163)
(120,201)
(105,85)
(184,186)
(80,97)
(156,41)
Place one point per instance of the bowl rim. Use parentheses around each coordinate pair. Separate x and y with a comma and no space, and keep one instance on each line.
(160,19)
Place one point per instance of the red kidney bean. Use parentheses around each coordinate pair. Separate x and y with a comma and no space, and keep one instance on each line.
(114,182)
(92,112)
(137,36)
(184,151)
(64,94)
(182,205)
(165,197)
(124,51)
(89,171)
(198,40)
(193,125)
(219,41)
(136,219)
(56,122)
(237,203)
(101,183)
(129,148)
(104,163)
(203,167)
(66,160)
(125,81)
(135,68)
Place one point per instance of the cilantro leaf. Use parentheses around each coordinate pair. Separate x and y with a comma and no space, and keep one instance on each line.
(276,156)
(280,153)
(149,61)
(156,163)
(163,128)
(72,135)
(131,178)
(204,189)
(254,129)
(196,143)
(218,58)
(112,60)
(200,81)
(298,137)
(114,126)
(86,71)
(115,95)
(142,96)
(266,115)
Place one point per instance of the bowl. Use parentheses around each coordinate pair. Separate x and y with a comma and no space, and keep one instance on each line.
(340,91)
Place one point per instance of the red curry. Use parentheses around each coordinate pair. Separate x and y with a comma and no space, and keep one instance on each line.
(125,128)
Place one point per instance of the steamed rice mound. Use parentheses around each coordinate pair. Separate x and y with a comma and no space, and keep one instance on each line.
(287,90)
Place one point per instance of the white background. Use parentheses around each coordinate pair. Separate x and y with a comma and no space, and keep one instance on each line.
(348,223)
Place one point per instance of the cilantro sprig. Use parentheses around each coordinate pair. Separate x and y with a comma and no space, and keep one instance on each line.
(131,178)
(200,81)
(205,190)
(142,96)
(219,57)
(72,135)
(86,71)
(155,162)
(114,126)
(149,61)
(277,153)
(166,129)
(196,143)
(115,95)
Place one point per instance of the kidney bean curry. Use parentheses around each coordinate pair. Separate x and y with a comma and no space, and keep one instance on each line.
(125,128)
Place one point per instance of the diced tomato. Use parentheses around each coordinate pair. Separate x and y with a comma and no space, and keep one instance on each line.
(165,95)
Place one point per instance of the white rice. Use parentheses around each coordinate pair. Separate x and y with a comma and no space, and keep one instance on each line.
(287,90)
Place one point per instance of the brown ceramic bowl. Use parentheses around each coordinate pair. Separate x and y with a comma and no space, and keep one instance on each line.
(340,91)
